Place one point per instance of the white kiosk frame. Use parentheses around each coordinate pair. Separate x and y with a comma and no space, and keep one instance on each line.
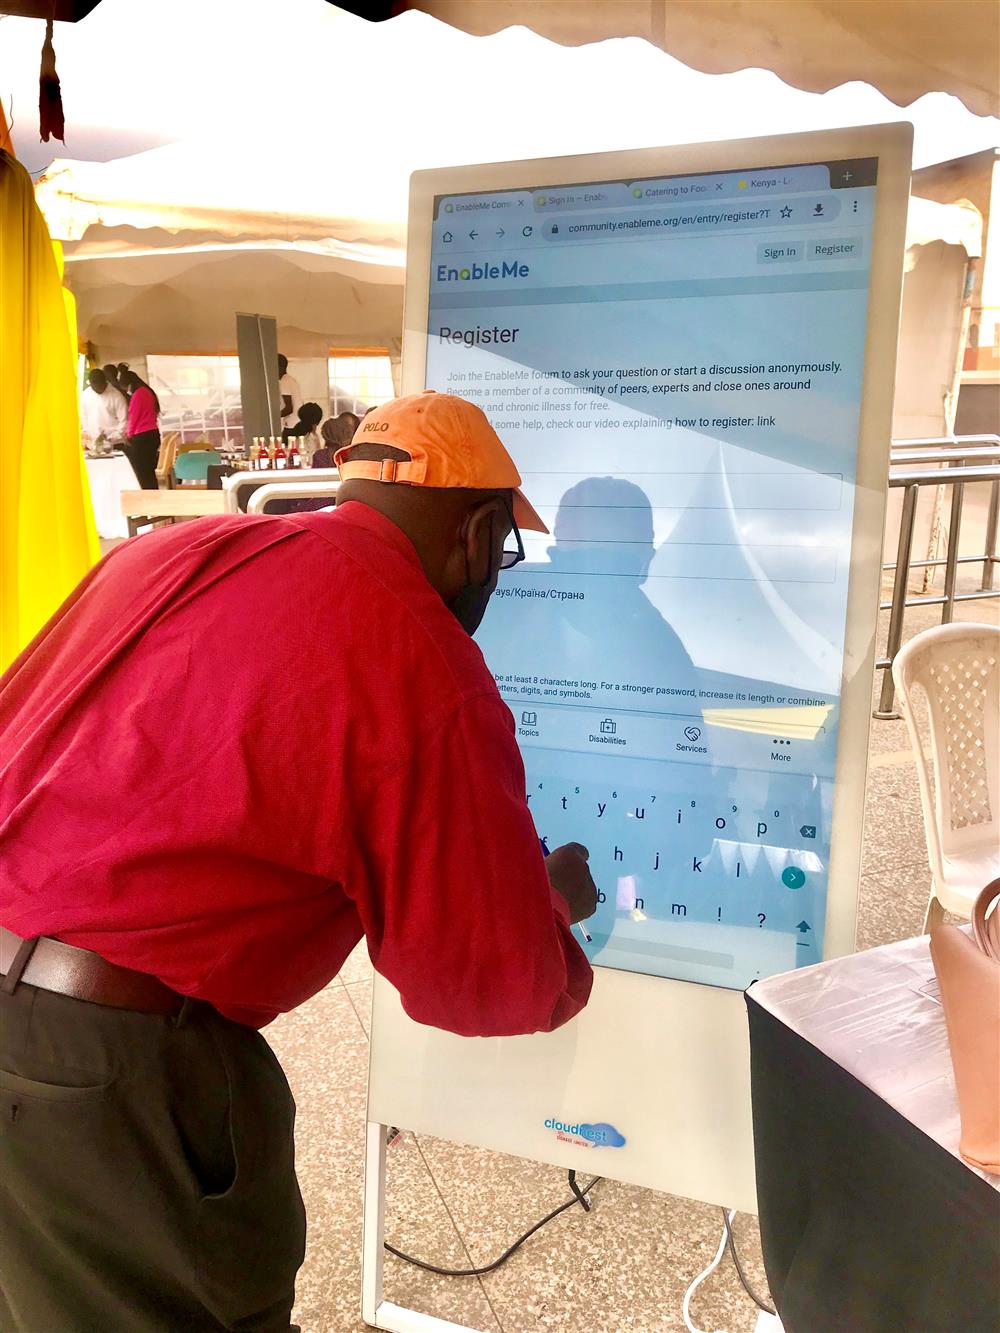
(698,1144)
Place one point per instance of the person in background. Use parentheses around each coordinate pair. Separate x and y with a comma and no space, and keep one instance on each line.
(103,410)
(122,369)
(143,446)
(336,432)
(111,373)
(306,430)
(291,395)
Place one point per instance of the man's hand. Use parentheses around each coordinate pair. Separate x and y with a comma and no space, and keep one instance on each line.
(569,875)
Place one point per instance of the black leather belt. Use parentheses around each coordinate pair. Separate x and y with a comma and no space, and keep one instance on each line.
(82,975)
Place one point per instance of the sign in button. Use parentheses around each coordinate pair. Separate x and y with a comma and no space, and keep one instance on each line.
(769,253)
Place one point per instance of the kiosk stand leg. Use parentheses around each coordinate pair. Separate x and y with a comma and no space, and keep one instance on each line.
(373,1228)
(375,1310)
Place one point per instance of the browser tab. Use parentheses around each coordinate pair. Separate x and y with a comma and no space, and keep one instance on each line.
(462,207)
(610,194)
(731,185)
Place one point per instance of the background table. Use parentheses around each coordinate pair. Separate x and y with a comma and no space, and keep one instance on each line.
(108,477)
(870,1220)
(216,471)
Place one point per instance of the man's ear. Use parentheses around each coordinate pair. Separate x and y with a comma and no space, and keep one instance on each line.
(481,527)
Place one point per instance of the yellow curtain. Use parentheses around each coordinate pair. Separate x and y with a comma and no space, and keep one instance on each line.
(48,539)
(5,142)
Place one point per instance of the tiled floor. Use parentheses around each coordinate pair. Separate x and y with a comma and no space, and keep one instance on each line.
(623,1267)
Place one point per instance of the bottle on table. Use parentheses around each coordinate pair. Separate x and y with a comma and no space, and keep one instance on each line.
(264,462)
(271,451)
(294,457)
(280,455)
(255,454)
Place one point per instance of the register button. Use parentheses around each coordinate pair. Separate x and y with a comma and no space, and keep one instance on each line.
(779,253)
(836,247)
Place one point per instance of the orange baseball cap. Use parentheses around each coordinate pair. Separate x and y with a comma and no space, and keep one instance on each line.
(450,443)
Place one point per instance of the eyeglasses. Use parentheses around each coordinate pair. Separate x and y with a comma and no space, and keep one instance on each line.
(510,558)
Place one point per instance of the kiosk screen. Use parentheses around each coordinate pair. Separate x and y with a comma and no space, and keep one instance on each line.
(676,367)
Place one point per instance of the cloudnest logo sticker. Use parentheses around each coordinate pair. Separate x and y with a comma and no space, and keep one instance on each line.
(601,1135)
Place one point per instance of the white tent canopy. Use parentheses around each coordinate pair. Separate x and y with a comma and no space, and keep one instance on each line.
(184,300)
(289,195)
(370,98)
(902,47)
(958,224)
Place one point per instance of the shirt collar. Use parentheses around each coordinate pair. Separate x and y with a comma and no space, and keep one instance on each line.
(359,515)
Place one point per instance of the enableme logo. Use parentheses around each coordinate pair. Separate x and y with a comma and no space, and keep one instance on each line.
(509,268)
(601,1135)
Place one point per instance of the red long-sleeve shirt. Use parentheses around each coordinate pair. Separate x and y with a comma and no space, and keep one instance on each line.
(246,741)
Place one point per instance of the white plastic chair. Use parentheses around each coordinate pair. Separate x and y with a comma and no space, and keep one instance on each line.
(958,668)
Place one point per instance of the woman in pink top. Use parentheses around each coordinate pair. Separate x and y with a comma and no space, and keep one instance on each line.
(143,445)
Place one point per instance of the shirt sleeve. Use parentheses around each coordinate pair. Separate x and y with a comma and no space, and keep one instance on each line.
(86,416)
(452,889)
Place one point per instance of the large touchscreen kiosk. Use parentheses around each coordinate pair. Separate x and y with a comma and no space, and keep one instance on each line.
(676,366)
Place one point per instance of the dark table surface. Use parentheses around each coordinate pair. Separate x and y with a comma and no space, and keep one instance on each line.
(870,1220)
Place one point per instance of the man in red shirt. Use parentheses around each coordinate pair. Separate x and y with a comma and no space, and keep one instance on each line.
(193,844)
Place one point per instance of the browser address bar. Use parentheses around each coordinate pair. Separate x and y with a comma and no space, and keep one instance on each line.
(721,217)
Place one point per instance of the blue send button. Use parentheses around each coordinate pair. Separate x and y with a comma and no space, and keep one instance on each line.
(793,877)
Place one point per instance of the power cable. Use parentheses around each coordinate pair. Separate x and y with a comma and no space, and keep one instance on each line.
(579,1197)
(705,1273)
(731,1241)
(727,1241)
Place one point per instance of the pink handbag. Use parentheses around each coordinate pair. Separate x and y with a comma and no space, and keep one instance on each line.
(968,973)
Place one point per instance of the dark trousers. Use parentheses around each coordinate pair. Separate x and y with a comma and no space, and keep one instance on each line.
(147,1177)
(142,451)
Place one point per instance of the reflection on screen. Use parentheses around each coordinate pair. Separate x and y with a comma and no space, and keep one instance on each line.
(676,367)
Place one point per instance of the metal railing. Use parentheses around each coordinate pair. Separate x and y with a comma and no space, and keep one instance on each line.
(958,461)
(324,482)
